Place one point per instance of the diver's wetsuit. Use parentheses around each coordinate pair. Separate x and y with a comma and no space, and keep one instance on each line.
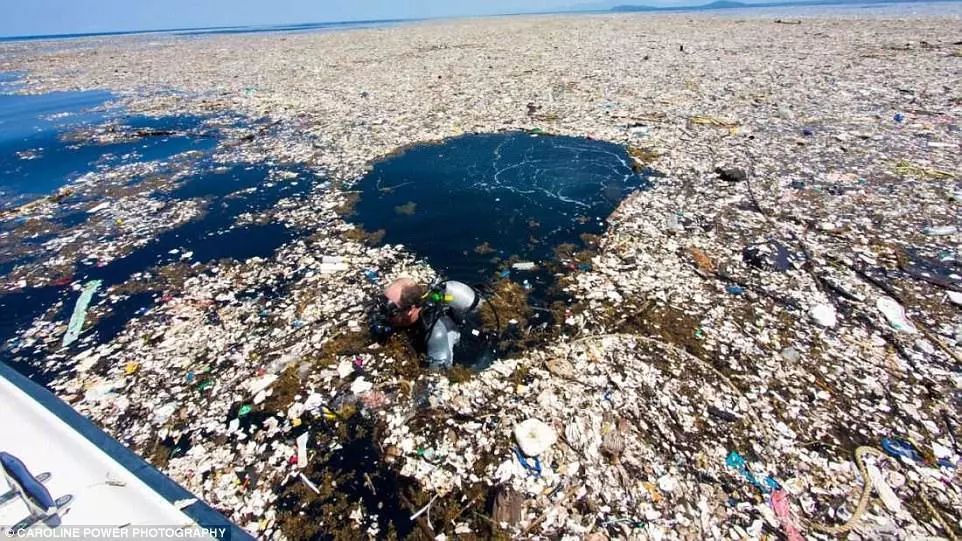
(453,327)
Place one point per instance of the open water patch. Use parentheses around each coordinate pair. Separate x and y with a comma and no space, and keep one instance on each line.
(86,153)
(473,205)
(213,236)
(47,140)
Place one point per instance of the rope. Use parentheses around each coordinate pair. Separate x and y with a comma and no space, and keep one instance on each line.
(863,499)
(938,517)
(532,467)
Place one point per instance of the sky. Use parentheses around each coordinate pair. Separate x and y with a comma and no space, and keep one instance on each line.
(37,17)
(42,17)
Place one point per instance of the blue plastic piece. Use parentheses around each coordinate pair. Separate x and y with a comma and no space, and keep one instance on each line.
(737,462)
(900,449)
(527,464)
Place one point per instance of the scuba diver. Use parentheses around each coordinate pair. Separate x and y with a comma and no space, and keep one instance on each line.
(445,317)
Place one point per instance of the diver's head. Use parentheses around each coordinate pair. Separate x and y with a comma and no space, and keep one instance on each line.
(402,302)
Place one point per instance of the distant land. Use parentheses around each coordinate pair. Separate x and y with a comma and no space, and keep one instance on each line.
(730,4)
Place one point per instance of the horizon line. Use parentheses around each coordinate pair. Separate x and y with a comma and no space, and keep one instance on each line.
(572,9)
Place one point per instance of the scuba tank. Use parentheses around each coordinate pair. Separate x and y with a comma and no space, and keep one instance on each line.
(456,299)
(461,297)
(442,338)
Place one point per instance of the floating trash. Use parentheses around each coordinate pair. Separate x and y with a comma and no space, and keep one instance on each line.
(75,326)
(534,437)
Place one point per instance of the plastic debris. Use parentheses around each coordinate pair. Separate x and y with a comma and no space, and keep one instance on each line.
(824,315)
(361,386)
(307,482)
(345,368)
(782,507)
(735,290)
(531,464)
(722,414)
(302,450)
(328,268)
(424,509)
(667,483)
(737,462)
(791,355)
(731,174)
(185,503)
(641,328)
(673,224)
(261,383)
(75,326)
(884,491)
(900,449)
(534,437)
(769,255)
(941,230)
(895,314)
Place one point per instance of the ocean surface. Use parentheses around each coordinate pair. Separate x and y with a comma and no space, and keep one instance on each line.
(43,145)
(866,9)
(473,204)
(470,206)
(210,31)
(48,141)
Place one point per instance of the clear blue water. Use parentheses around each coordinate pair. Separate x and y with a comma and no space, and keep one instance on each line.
(287,28)
(9,81)
(472,203)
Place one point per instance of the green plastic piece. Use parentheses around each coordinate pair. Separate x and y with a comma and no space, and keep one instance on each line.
(80,312)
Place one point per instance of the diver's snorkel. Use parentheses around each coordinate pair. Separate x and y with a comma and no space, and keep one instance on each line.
(380,322)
